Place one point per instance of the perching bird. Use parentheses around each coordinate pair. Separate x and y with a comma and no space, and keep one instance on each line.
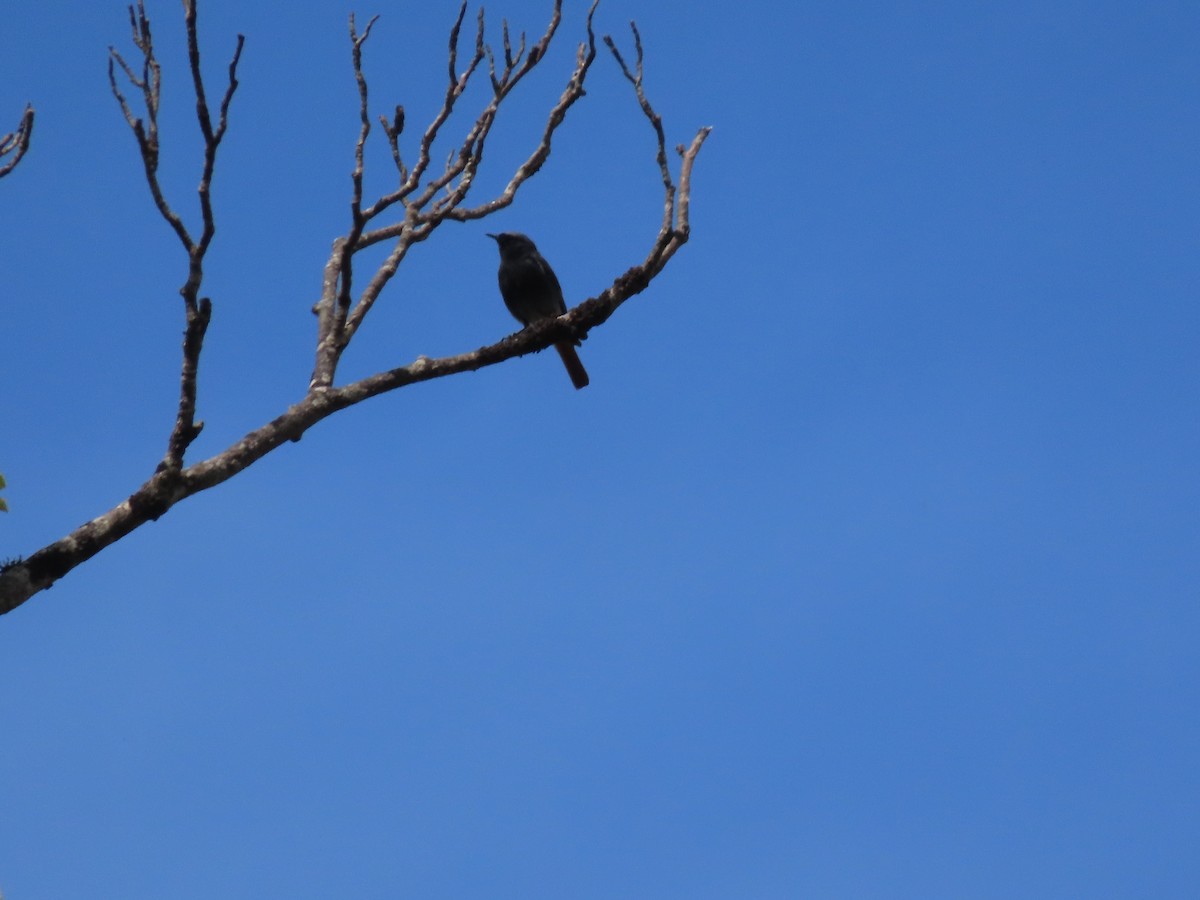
(531,293)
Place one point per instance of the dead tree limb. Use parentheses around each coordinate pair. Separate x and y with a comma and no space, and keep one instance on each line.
(418,206)
(15,144)
(425,203)
(197,309)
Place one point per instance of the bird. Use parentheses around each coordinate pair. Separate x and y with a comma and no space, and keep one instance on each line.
(532,293)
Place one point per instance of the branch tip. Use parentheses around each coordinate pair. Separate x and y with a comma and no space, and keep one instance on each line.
(15,144)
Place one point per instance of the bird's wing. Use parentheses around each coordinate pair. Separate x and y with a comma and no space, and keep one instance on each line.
(552,280)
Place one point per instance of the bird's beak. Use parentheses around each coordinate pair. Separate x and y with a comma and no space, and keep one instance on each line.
(494,237)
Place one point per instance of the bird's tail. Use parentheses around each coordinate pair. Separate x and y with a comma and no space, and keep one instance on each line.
(579,375)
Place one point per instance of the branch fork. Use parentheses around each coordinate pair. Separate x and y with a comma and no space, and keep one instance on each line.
(147,80)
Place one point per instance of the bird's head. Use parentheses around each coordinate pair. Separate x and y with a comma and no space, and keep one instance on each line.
(513,243)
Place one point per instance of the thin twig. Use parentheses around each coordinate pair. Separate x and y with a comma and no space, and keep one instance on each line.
(356,212)
(455,87)
(635,78)
(334,304)
(149,83)
(15,144)
(393,129)
(197,310)
(212,137)
(585,55)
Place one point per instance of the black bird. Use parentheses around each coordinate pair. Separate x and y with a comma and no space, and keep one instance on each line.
(532,293)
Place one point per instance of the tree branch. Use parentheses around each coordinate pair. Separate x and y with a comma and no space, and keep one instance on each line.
(171,483)
(337,321)
(573,92)
(212,140)
(150,84)
(197,310)
(635,78)
(331,322)
(15,144)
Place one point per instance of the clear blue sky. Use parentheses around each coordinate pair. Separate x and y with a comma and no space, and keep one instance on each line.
(866,567)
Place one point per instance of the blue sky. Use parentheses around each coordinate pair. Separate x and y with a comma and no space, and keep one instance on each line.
(866,567)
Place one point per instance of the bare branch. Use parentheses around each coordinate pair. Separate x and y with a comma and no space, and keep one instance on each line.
(586,53)
(356,40)
(635,78)
(393,130)
(167,487)
(21,579)
(212,138)
(186,428)
(15,144)
(452,55)
(462,165)
(334,304)
(148,82)
(328,340)
(683,225)
(470,153)
(198,310)
(455,87)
